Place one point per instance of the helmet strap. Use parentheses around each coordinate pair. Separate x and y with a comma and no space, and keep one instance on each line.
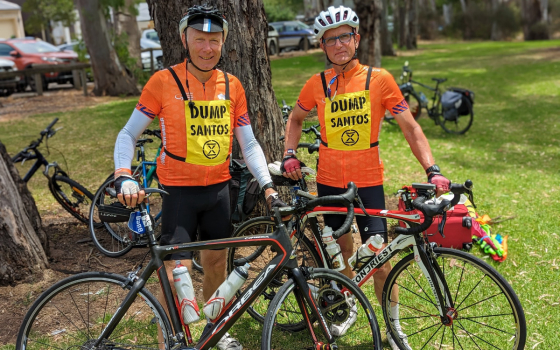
(189,60)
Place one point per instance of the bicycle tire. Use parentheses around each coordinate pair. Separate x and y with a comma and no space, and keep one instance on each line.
(72,196)
(414,105)
(486,297)
(459,126)
(258,257)
(284,305)
(57,319)
(111,239)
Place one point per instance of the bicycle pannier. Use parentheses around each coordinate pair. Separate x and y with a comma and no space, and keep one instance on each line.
(468,97)
(451,103)
(244,190)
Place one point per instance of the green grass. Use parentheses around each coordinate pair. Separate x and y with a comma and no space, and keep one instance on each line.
(511,153)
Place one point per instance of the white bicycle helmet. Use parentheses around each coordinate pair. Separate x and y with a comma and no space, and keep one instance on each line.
(335,17)
(204,18)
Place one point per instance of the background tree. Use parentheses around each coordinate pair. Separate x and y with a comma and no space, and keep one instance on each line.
(42,12)
(24,242)
(126,29)
(370,13)
(282,10)
(111,76)
(535,19)
(244,55)
(386,36)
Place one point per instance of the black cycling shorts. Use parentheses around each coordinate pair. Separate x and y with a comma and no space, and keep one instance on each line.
(373,198)
(194,213)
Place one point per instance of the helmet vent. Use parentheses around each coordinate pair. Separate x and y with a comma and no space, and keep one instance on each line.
(329,19)
(355,19)
(345,15)
(338,17)
(322,22)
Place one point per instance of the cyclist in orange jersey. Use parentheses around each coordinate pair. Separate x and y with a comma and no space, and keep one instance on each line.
(199,108)
(351,100)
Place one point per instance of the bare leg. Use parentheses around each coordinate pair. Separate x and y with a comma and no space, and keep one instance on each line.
(214,264)
(347,248)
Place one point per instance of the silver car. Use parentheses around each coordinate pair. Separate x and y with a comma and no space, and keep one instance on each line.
(8,85)
(157,54)
(293,34)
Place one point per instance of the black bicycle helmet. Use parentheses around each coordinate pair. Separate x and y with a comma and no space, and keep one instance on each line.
(204,18)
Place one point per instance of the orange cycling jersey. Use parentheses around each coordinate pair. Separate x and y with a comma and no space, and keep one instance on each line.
(196,136)
(351,107)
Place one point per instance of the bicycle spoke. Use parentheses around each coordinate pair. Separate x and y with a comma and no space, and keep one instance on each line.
(81,316)
(478,302)
(471,337)
(442,336)
(419,286)
(486,325)
(431,336)
(455,337)
(423,329)
(472,290)
(77,328)
(460,279)
(419,296)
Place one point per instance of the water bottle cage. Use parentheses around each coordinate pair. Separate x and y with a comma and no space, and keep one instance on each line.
(361,261)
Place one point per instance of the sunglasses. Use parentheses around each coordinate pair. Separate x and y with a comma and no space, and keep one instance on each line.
(344,38)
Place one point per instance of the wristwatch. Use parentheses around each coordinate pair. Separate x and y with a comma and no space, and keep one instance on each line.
(433,169)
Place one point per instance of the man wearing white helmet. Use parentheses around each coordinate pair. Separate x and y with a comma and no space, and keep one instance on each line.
(351,100)
(199,108)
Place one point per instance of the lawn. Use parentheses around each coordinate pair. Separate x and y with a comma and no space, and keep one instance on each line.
(511,153)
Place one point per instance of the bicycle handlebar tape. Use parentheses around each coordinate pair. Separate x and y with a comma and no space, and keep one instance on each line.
(346,200)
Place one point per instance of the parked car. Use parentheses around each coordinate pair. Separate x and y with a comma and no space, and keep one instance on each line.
(151,34)
(292,34)
(26,52)
(158,54)
(8,85)
(272,41)
(74,46)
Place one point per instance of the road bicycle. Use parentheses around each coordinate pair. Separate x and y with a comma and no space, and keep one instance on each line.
(417,101)
(446,298)
(70,194)
(96,310)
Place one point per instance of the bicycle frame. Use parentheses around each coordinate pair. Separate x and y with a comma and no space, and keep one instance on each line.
(285,259)
(430,270)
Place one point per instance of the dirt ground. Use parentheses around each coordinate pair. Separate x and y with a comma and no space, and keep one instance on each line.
(60,98)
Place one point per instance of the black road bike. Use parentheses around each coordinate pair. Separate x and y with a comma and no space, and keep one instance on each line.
(417,101)
(72,196)
(97,310)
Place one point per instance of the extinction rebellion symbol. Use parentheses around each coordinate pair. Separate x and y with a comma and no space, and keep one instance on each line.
(350,137)
(211,149)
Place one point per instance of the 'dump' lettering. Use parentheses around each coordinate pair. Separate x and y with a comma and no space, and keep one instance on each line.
(348,104)
(207,112)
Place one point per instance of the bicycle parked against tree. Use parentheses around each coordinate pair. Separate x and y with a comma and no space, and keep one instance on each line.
(97,310)
(72,196)
(454,123)
(446,298)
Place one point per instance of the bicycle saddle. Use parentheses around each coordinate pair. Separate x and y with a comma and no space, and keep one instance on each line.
(439,80)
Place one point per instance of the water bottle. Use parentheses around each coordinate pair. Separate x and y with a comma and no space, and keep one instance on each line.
(225,292)
(333,249)
(185,294)
(372,246)
(423,99)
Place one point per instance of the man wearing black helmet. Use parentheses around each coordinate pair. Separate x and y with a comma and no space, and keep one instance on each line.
(199,108)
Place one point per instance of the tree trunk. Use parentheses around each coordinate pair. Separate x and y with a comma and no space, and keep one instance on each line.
(386,39)
(412,34)
(535,19)
(127,24)
(111,77)
(24,242)
(496,34)
(244,55)
(369,52)
(403,31)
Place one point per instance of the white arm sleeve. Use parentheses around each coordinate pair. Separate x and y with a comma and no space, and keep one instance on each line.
(126,141)
(253,154)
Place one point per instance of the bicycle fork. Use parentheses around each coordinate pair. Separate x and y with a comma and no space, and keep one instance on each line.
(438,284)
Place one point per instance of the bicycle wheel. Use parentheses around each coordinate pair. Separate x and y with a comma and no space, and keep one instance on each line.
(413,104)
(72,314)
(489,314)
(459,125)
(258,257)
(350,317)
(73,197)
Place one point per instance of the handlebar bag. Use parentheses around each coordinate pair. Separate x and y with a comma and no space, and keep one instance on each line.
(458,228)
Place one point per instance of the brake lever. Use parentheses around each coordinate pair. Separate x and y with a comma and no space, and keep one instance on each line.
(361,204)
(441,225)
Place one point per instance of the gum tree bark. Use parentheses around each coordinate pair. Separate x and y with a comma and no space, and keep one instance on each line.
(243,55)
(111,77)
(386,36)
(370,13)
(24,242)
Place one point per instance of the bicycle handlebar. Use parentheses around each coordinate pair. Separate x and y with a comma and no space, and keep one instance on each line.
(346,199)
(156,133)
(431,210)
(48,128)
(113,193)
